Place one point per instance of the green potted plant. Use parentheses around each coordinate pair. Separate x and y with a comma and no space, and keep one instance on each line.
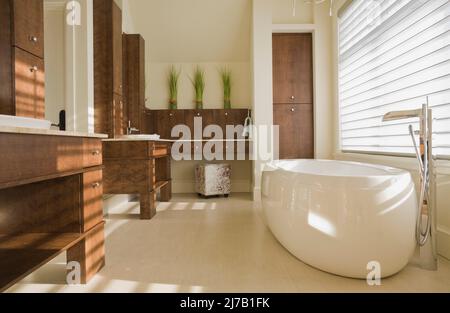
(199,85)
(174,76)
(225,74)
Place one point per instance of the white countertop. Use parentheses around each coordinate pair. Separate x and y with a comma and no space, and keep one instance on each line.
(175,140)
(48,132)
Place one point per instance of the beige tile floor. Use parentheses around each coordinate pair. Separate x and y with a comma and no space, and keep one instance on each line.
(214,245)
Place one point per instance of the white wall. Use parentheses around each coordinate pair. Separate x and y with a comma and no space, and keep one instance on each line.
(80,71)
(54,20)
(210,33)
(443,167)
(276,16)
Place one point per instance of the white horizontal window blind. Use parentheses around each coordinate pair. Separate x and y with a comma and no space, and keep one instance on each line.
(393,54)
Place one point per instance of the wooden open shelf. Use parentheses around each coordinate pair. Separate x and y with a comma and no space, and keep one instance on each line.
(22,254)
(161,184)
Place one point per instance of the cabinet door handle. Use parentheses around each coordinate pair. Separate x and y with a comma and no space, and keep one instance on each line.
(96,152)
(292,110)
(96,185)
(198,114)
(293,98)
(33,69)
(33,39)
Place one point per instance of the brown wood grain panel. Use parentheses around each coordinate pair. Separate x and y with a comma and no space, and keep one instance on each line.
(92,213)
(126,150)
(29,85)
(117,48)
(207,118)
(49,207)
(127,176)
(29,25)
(22,254)
(119,116)
(107,65)
(134,80)
(29,156)
(292,68)
(296,130)
(89,253)
(6,59)
(165,120)
(92,152)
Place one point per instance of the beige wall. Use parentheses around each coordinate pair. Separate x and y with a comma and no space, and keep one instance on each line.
(276,16)
(210,33)
(54,20)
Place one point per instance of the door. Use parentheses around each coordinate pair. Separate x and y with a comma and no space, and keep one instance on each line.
(293,95)
(296,130)
(292,68)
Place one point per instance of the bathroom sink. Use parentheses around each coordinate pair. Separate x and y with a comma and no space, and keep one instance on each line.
(23,122)
(142,137)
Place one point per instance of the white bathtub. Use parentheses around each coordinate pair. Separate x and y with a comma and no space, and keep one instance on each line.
(339,216)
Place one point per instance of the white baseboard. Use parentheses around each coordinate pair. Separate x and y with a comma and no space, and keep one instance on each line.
(443,242)
(188,186)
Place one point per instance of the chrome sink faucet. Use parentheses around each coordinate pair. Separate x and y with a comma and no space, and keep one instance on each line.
(130,129)
(426,237)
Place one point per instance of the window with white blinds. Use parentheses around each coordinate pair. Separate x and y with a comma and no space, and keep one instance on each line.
(393,54)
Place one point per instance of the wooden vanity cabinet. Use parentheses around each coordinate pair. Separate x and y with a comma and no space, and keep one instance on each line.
(22,75)
(138,167)
(109,113)
(51,201)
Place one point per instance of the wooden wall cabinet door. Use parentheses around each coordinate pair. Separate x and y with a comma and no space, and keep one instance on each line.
(232,117)
(207,118)
(292,68)
(117,48)
(29,26)
(29,83)
(108,86)
(166,120)
(296,132)
(134,81)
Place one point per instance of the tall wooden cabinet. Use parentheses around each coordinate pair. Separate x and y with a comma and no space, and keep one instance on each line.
(134,81)
(22,72)
(109,112)
(293,101)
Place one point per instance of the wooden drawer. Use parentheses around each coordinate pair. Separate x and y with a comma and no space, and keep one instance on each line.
(29,26)
(92,213)
(33,156)
(29,85)
(158,150)
(92,152)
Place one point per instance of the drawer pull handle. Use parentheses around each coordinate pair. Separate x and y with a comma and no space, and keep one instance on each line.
(293,98)
(33,39)
(96,185)
(292,110)
(96,152)
(33,69)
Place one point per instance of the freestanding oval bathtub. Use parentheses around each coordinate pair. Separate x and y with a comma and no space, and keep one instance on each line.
(342,216)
